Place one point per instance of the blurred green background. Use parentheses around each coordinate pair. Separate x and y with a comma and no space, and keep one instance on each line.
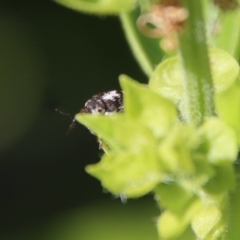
(52,57)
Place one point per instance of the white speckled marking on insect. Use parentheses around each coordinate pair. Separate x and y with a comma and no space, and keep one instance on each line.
(110,95)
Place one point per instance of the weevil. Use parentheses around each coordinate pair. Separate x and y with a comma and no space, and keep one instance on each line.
(104,103)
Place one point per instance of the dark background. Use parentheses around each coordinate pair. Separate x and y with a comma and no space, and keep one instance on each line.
(51,57)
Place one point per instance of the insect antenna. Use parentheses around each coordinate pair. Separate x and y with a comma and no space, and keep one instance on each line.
(64,113)
(72,125)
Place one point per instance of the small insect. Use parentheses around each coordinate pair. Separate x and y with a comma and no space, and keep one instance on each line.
(104,103)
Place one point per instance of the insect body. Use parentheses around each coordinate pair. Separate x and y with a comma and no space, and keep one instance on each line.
(104,103)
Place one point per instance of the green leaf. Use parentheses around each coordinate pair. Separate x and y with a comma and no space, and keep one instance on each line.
(225,69)
(171,225)
(228,103)
(133,169)
(223,180)
(128,174)
(99,7)
(188,234)
(175,150)
(209,224)
(147,51)
(219,140)
(167,81)
(229,35)
(165,195)
(145,106)
(118,131)
(233,232)
(182,154)
(102,126)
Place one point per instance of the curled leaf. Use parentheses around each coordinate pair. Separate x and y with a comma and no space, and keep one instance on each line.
(167,78)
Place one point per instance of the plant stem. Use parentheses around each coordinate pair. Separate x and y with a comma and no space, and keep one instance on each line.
(198,88)
(135,44)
